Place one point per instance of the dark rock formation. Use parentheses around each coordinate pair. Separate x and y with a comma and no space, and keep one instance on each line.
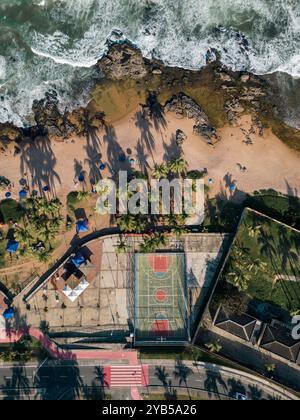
(183,105)
(124,61)
(180,137)
(9,133)
(208,133)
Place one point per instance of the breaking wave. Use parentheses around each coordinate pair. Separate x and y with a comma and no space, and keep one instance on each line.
(55,43)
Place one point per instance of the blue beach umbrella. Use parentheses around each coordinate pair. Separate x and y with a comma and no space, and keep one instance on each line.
(12,247)
(78,260)
(102,167)
(7,195)
(9,313)
(122,157)
(81,178)
(82,226)
(23,194)
(232,187)
(46,188)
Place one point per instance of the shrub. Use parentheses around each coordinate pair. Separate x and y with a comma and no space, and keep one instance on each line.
(10,210)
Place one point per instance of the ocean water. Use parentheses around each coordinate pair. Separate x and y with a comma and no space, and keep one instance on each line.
(53,44)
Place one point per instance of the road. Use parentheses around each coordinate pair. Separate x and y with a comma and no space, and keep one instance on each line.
(217,382)
(53,380)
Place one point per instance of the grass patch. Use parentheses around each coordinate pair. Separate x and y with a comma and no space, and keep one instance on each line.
(10,210)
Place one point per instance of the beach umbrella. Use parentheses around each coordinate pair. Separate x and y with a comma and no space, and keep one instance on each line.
(78,260)
(46,188)
(9,313)
(23,182)
(82,226)
(12,247)
(232,187)
(132,161)
(7,194)
(102,167)
(122,157)
(23,194)
(81,178)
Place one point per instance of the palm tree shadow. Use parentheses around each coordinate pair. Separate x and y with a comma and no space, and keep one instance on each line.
(172,150)
(147,139)
(212,383)
(93,152)
(142,158)
(182,373)
(163,376)
(115,153)
(156,111)
(38,159)
(16,387)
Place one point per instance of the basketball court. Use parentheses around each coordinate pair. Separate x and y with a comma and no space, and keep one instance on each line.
(161,310)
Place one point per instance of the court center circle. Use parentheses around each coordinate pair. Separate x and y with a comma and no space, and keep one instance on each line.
(161,295)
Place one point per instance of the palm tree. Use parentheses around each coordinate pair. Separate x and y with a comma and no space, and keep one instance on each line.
(131,223)
(122,247)
(23,236)
(179,230)
(214,347)
(178,166)
(161,171)
(254,230)
(44,256)
(153,242)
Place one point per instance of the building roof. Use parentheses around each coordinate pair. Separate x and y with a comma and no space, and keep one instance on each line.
(280,341)
(238,324)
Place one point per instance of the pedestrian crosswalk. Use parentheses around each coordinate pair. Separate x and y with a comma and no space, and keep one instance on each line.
(126,375)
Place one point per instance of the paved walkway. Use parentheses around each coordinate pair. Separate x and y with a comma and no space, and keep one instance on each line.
(132,375)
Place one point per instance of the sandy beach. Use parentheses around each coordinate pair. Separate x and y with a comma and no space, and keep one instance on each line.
(268,161)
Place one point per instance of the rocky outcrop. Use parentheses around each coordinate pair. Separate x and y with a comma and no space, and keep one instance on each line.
(124,61)
(208,133)
(184,106)
(9,133)
(180,137)
(60,126)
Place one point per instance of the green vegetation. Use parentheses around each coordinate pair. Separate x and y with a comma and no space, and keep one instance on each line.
(140,223)
(214,347)
(10,210)
(40,225)
(74,198)
(22,351)
(273,204)
(264,262)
